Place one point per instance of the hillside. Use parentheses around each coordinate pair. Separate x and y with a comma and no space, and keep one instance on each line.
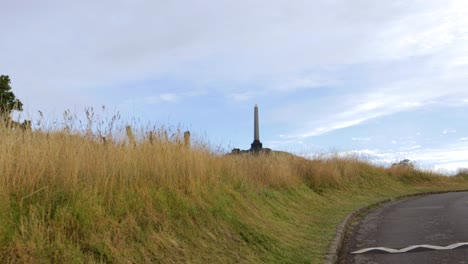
(68,198)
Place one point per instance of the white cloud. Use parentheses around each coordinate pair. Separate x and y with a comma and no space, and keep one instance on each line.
(226,41)
(164,97)
(449,131)
(411,147)
(325,129)
(242,96)
(223,42)
(168,97)
(430,31)
(357,109)
(450,167)
(361,139)
(447,159)
(303,83)
(382,100)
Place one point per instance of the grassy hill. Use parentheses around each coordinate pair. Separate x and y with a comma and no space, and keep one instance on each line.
(66,198)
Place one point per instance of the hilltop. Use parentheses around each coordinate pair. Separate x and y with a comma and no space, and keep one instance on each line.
(66,197)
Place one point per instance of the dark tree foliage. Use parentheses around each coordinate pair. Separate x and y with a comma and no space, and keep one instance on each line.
(8,100)
(404,163)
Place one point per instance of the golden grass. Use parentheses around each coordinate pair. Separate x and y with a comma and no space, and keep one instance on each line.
(66,197)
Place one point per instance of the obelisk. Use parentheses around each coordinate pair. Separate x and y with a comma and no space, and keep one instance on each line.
(256,145)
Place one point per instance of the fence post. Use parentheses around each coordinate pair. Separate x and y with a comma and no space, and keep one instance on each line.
(130,135)
(187,139)
(151,137)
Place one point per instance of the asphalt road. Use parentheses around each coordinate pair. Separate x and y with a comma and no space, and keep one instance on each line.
(435,220)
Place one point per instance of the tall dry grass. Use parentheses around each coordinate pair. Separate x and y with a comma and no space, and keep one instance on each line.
(94,196)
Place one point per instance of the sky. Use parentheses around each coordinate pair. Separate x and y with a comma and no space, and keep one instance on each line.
(386,80)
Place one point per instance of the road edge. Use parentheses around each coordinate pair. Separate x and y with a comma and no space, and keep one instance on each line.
(337,244)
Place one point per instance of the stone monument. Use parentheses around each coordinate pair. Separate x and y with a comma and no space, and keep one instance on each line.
(256,145)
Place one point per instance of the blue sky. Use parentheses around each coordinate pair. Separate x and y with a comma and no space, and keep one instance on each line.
(385,79)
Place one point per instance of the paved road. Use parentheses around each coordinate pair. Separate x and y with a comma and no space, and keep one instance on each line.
(438,220)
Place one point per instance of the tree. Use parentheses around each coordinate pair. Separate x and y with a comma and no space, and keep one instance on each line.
(8,103)
(8,100)
(404,163)
(462,172)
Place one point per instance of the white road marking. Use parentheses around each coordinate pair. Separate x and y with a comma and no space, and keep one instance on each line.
(410,248)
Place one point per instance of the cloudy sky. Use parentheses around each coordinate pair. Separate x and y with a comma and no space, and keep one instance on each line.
(387,79)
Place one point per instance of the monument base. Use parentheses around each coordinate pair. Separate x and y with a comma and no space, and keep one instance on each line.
(256,145)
